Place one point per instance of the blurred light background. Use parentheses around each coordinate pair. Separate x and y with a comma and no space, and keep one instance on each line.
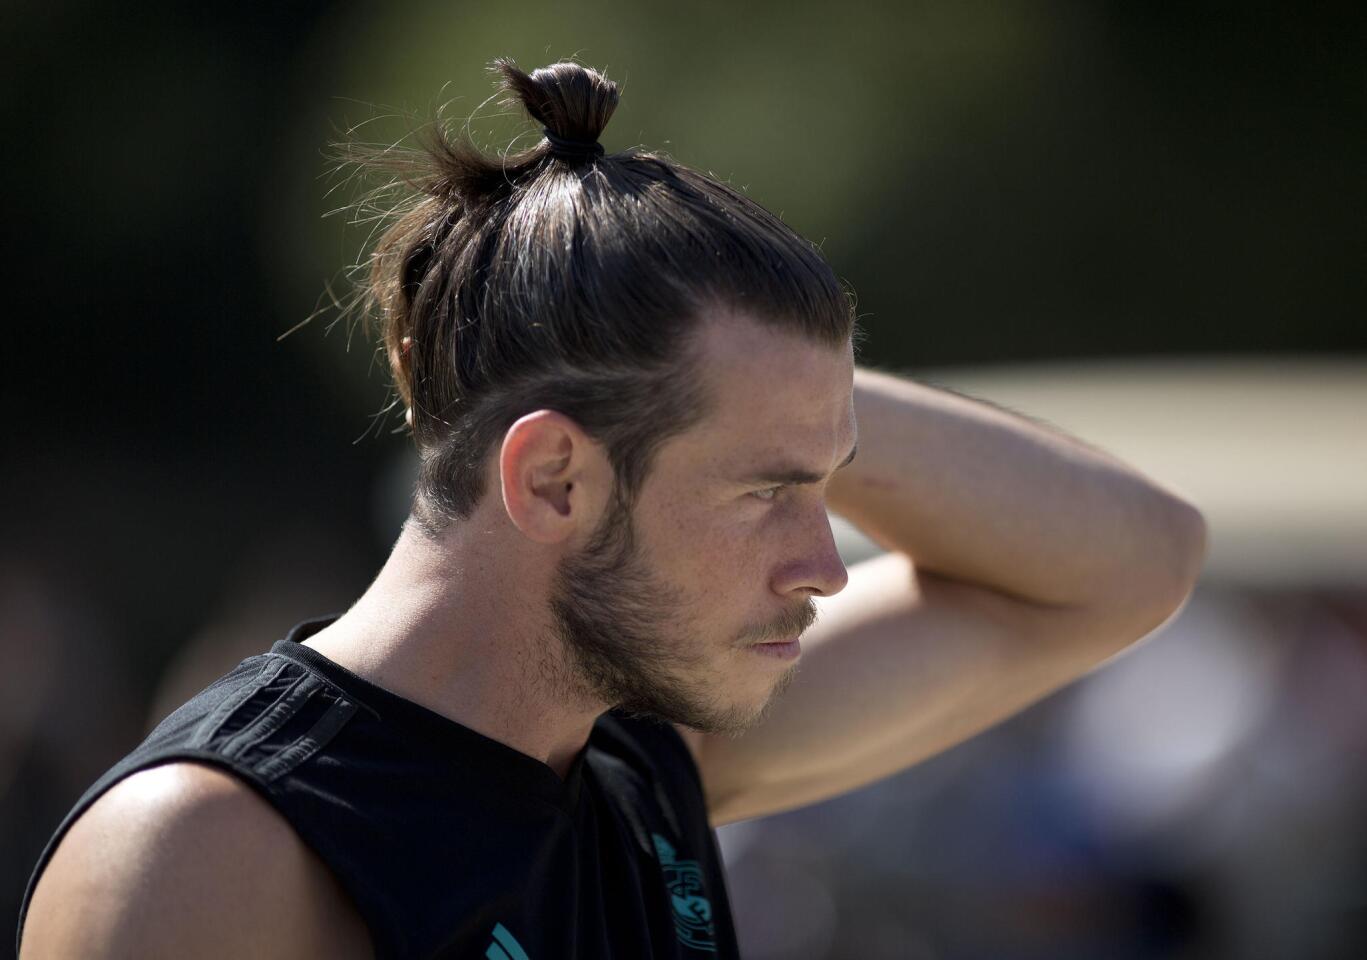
(1141,222)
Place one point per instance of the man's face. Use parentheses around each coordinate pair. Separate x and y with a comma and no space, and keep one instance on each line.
(662,612)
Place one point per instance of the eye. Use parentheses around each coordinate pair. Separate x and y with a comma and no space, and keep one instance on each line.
(767,494)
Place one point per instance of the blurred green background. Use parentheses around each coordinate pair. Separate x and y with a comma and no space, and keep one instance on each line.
(1000,183)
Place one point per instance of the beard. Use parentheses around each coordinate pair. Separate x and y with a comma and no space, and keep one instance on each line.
(629,641)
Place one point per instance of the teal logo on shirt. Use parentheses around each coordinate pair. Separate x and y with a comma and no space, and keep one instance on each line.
(692,910)
(505,946)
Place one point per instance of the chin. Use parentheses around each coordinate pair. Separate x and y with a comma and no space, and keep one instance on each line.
(743,714)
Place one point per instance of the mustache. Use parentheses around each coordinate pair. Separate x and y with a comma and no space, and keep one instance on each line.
(792,624)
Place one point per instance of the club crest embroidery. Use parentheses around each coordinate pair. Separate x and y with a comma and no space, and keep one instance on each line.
(692,910)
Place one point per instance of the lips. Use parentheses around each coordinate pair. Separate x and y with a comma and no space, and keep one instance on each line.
(784,650)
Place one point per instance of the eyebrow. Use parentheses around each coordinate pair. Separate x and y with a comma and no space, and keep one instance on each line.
(795,476)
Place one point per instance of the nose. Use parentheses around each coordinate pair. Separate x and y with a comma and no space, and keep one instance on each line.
(815,568)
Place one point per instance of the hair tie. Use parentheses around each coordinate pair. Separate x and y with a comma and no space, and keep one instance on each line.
(568,149)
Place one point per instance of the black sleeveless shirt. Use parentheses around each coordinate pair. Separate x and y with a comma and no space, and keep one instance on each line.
(452,844)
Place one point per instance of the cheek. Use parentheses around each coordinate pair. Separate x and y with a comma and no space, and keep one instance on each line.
(723,568)
(712,552)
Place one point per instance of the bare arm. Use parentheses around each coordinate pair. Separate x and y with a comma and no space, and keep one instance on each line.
(1020,560)
(980,495)
(185,861)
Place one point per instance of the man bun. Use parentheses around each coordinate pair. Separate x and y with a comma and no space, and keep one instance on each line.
(573,104)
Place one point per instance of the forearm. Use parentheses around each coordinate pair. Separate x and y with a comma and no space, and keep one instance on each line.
(974,493)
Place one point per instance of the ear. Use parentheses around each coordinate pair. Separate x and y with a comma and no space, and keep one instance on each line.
(556,480)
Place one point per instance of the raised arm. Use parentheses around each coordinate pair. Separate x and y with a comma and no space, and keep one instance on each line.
(983,496)
(1021,559)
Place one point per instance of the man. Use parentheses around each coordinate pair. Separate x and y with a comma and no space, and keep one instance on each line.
(635,397)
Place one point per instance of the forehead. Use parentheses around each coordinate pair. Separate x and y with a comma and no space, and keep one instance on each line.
(773,392)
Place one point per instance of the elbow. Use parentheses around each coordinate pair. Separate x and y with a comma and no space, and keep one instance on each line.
(1190,546)
(1179,556)
(1153,580)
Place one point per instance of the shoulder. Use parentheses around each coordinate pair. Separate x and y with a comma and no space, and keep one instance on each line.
(184,859)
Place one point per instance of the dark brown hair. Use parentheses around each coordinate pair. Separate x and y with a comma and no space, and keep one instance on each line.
(566,279)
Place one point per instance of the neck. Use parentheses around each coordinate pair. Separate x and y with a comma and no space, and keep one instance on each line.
(460,625)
